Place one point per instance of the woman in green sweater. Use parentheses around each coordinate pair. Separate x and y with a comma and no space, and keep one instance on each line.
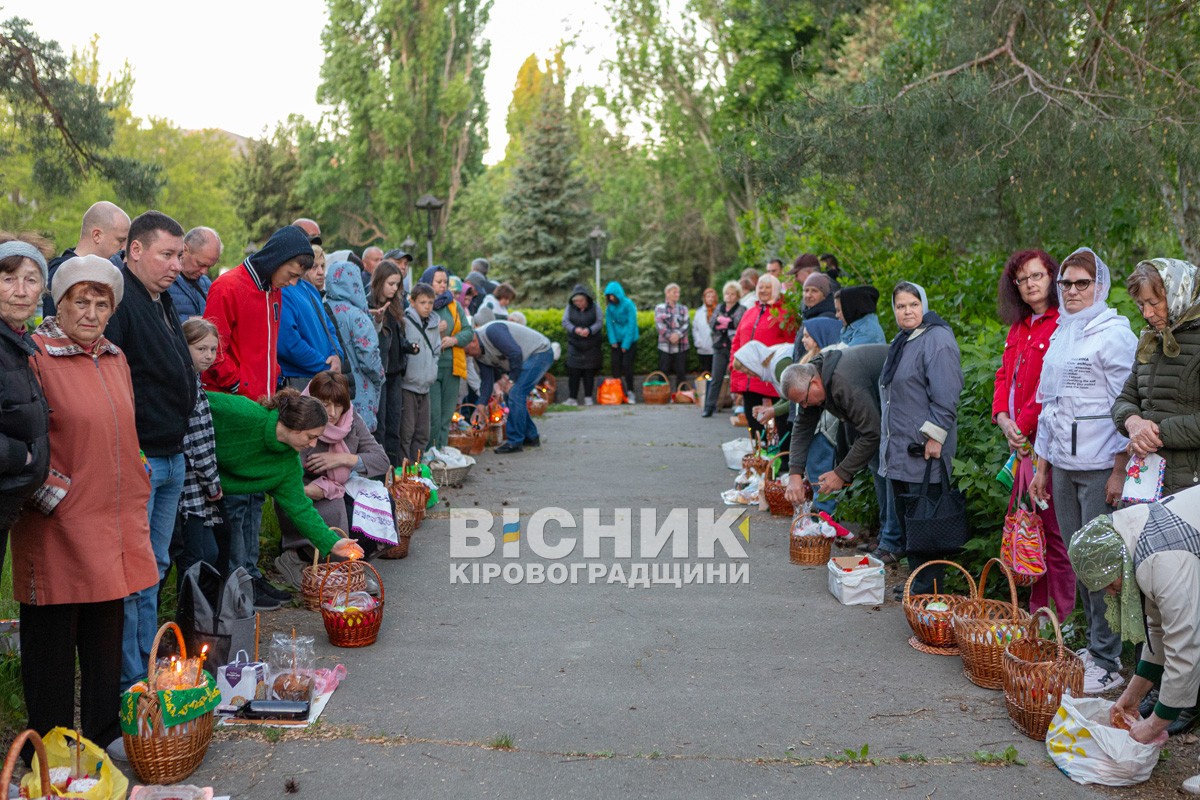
(258,451)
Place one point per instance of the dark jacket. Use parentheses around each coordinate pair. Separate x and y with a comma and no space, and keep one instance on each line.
(725,324)
(190,296)
(160,366)
(1166,391)
(851,379)
(392,345)
(583,352)
(24,425)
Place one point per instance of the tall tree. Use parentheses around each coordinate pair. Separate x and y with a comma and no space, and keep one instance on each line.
(265,182)
(544,224)
(405,78)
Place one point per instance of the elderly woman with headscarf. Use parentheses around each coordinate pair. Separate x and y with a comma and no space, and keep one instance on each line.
(348,301)
(855,307)
(24,415)
(1146,559)
(919,390)
(768,323)
(82,544)
(818,297)
(455,327)
(1078,449)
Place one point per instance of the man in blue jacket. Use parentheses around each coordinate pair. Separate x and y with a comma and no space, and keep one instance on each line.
(202,250)
(308,339)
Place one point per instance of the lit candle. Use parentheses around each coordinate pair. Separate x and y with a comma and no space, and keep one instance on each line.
(200,666)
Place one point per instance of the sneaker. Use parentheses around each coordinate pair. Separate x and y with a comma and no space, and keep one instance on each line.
(1186,720)
(372,584)
(1098,680)
(263,601)
(508,448)
(587,401)
(1146,707)
(629,400)
(271,590)
(290,567)
(570,401)
(1086,656)
(116,750)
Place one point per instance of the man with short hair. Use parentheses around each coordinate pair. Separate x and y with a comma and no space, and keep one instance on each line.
(804,265)
(147,329)
(506,348)
(371,258)
(775,267)
(103,233)
(202,250)
(311,229)
(478,278)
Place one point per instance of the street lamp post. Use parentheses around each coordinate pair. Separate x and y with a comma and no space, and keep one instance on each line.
(430,205)
(596,242)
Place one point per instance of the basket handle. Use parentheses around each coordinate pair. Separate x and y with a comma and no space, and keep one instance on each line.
(339,565)
(1044,611)
(959,567)
(666,380)
(1012,587)
(470,418)
(799,516)
(14,752)
(152,668)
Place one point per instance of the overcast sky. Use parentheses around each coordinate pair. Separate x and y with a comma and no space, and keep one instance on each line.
(243,65)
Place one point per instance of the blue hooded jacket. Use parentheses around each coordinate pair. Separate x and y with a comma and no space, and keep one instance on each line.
(621,317)
(307,335)
(343,288)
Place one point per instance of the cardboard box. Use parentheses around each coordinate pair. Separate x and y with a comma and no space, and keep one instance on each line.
(863,584)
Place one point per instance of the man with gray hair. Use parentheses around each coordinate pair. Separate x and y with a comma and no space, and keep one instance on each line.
(370,260)
(103,233)
(202,250)
(477,277)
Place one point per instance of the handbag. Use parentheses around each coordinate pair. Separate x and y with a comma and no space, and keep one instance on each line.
(1023,540)
(936,525)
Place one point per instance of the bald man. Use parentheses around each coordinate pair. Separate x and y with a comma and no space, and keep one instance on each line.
(202,250)
(103,233)
(308,226)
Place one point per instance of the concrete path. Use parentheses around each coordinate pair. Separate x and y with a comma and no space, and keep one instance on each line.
(754,689)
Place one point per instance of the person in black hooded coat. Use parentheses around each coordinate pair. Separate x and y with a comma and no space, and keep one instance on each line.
(583,320)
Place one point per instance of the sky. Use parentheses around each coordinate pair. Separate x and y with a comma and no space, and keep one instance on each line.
(243,65)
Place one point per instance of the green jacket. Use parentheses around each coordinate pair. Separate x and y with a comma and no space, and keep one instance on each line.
(1166,391)
(251,460)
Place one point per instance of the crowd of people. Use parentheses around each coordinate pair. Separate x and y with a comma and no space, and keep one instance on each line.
(147,410)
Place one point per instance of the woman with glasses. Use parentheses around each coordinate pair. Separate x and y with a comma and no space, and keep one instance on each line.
(1028,302)
(1080,455)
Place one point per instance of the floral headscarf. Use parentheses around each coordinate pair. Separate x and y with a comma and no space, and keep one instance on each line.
(1100,556)
(348,301)
(1181,285)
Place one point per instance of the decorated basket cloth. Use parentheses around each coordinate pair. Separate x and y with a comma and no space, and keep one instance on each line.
(933,628)
(656,391)
(312,576)
(351,627)
(983,628)
(1037,673)
(406,519)
(167,732)
(807,549)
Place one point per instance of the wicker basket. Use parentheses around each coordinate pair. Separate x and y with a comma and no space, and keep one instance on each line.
(657,394)
(809,551)
(448,476)
(933,631)
(470,441)
(165,754)
(536,403)
(780,506)
(14,753)
(405,524)
(548,387)
(1037,673)
(346,629)
(412,490)
(983,628)
(313,577)
(685,395)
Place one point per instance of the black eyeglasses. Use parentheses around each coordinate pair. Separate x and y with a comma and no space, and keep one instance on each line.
(1079,285)
(1035,277)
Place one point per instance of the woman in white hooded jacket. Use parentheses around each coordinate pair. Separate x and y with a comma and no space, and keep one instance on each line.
(1078,447)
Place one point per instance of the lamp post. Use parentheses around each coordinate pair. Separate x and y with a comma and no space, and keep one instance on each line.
(408,244)
(430,205)
(596,241)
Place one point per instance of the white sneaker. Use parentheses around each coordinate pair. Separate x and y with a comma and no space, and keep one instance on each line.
(570,401)
(1086,656)
(587,401)
(629,400)
(116,750)
(1098,680)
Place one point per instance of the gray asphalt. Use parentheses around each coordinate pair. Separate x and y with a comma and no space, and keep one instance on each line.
(744,690)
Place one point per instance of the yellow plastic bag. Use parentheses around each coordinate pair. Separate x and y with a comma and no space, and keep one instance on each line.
(60,752)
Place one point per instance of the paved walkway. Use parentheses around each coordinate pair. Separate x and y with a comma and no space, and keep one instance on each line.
(743,690)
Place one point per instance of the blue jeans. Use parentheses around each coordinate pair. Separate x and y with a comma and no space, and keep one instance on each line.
(520,427)
(141,608)
(821,456)
(889,523)
(243,512)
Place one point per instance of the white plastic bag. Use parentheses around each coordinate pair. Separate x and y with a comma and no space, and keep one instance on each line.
(734,450)
(1083,744)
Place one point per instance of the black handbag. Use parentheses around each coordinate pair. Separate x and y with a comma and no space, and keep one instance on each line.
(936,525)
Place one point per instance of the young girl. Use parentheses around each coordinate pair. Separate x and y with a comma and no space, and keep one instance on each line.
(387,310)
(201,485)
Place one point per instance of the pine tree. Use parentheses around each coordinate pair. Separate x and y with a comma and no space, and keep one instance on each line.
(544,224)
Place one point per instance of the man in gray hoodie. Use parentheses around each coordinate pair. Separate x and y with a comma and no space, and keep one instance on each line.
(503,347)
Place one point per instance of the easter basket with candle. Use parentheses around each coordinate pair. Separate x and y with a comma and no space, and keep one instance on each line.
(931,615)
(167,720)
(1037,673)
(467,435)
(408,484)
(983,628)
(312,577)
(352,619)
(406,522)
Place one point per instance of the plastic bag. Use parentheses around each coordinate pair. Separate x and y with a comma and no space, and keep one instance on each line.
(611,393)
(292,660)
(733,451)
(60,752)
(1083,744)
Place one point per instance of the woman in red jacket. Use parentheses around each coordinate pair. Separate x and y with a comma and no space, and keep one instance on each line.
(767,322)
(1028,302)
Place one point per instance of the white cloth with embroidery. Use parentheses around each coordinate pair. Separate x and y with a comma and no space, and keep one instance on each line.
(372,511)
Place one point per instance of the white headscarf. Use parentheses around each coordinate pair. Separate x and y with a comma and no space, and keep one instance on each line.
(761,359)
(1071,327)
